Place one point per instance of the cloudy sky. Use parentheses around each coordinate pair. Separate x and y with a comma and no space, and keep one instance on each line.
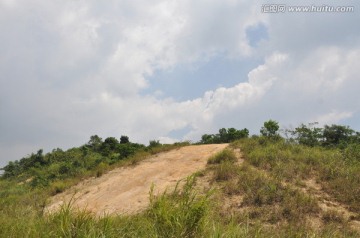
(170,70)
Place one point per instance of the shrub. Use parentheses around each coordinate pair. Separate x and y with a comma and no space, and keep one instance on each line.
(225,155)
(179,214)
(226,170)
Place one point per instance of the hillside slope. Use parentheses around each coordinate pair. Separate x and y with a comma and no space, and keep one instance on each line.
(126,190)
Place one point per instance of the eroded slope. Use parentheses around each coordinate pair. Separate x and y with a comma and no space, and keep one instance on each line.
(126,190)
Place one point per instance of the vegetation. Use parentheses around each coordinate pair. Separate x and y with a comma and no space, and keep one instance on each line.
(224,136)
(304,185)
(270,129)
(330,136)
(225,155)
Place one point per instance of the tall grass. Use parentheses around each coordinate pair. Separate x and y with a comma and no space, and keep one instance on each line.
(267,205)
(179,214)
(222,156)
(338,172)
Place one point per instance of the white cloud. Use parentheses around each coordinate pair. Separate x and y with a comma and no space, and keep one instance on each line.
(332,117)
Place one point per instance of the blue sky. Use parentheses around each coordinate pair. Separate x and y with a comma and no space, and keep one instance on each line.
(217,72)
(169,70)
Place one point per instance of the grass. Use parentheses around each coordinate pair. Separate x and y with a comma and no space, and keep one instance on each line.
(339,175)
(264,196)
(180,213)
(268,200)
(222,156)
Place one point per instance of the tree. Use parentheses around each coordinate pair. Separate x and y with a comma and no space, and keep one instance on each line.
(270,129)
(207,139)
(224,136)
(308,135)
(336,135)
(11,170)
(95,142)
(109,146)
(124,140)
(233,134)
(154,143)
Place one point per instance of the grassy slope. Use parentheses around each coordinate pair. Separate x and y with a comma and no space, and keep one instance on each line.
(275,190)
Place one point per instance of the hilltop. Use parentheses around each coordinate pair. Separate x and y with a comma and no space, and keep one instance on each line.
(227,185)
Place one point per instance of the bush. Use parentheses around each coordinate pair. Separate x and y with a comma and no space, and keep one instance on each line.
(179,214)
(225,155)
(226,170)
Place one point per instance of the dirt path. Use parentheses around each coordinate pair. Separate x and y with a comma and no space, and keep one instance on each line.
(126,190)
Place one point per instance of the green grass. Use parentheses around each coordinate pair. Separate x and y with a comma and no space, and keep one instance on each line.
(265,192)
(338,173)
(222,156)
(180,213)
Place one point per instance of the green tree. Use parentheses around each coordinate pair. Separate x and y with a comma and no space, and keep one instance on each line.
(154,143)
(270,129)
(337,135)
(207,139)
(12,169)
(233,134)
(223,136)
(308,135)
(124,139)
(95,142)
(109,146)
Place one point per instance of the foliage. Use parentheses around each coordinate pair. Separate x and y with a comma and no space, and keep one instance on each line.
(222,156)
(308,135)
(94,143)
(329,136)
(124,139)
(95,156)
(266,188)
(224,136)
(270,129)
(179,214)
(337,135)
(338,170)
(154,143)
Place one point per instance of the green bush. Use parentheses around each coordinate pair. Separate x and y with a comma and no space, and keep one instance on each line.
(224,155)
(179,214)
(226,170)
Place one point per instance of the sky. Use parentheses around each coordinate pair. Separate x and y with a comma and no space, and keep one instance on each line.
(170,70)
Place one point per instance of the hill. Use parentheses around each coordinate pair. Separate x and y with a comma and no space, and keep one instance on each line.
(307,185)
(126,190)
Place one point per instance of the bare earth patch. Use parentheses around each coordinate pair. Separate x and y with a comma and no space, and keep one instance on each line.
(327,203)
(126,190)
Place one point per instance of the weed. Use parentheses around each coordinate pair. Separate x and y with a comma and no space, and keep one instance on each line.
(179,214)
(225,155)
(225,171)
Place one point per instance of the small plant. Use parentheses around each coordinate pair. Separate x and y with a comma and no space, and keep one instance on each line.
(180,213)
(226,170)
(101,169)
(225,155)
(58,187)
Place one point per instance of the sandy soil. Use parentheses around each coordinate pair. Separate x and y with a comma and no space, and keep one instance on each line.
(126,190)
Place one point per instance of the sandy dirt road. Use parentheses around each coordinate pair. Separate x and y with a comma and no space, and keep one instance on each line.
(126,190)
